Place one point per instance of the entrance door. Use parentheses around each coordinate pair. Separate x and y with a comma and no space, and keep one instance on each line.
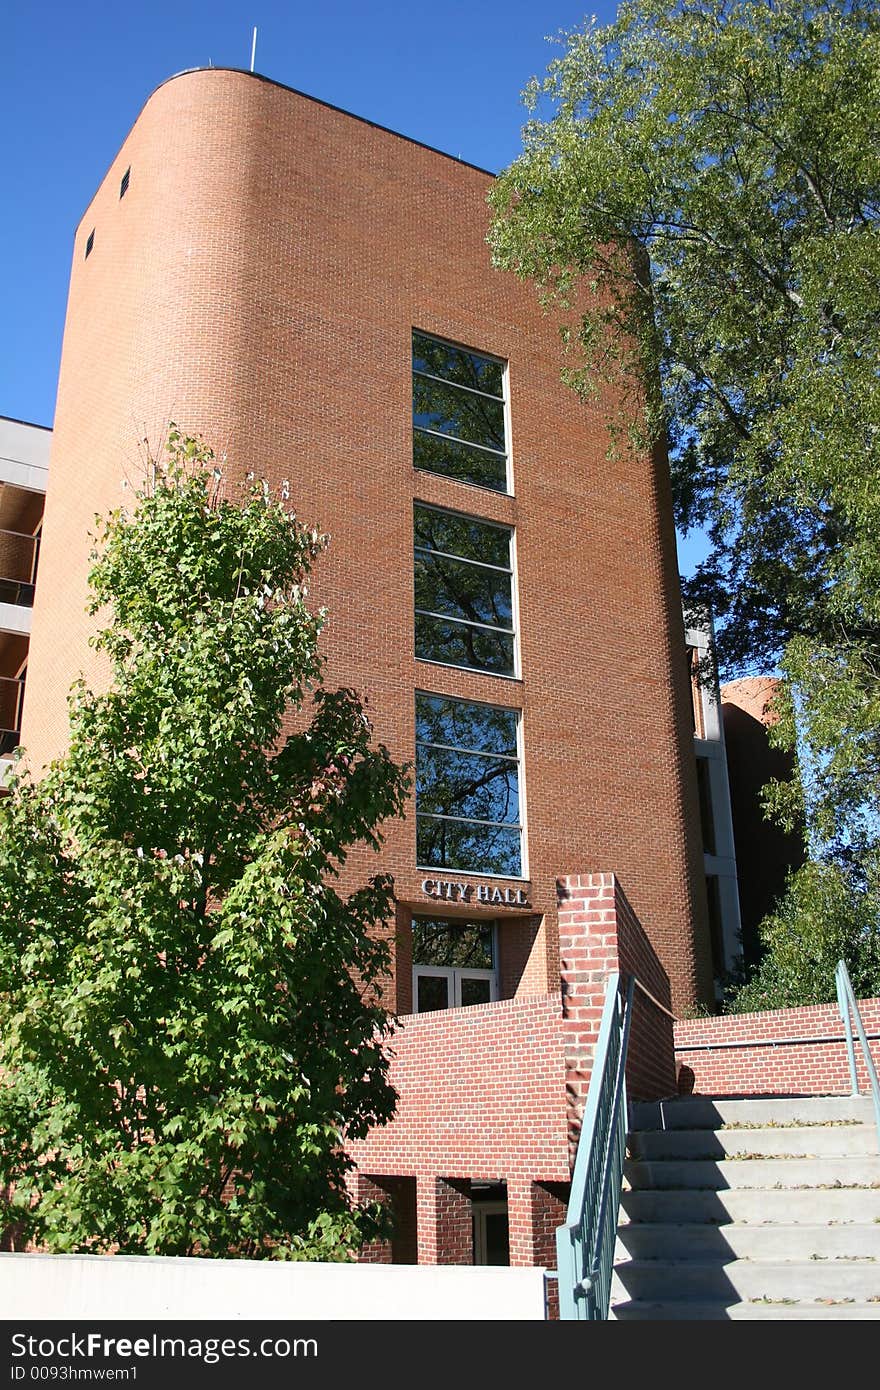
(453,963)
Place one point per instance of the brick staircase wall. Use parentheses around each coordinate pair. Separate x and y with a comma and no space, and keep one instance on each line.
(599,933)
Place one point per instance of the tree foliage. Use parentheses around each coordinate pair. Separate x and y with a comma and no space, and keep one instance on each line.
(189,1020)
(822,919)
(701,203)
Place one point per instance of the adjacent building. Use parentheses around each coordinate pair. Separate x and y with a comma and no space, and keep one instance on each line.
(716,820)
(765,853)
(24,464)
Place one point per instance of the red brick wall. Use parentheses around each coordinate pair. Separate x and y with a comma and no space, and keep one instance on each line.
(444,1224)
(599,933)
(258,284)
(549,1206)
(650,1071)
(809,1068)
(16,556)
(482,1095)
(521,960)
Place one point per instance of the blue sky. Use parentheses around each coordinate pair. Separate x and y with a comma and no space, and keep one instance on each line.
(76,76)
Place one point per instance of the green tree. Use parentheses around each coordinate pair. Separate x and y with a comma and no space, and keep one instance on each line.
(822,919)
(699,198)
(189,1017)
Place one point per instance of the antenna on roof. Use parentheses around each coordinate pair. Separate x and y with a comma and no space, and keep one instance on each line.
(254,48)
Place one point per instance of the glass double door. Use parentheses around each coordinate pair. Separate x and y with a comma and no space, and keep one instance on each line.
(445,987)
(454,963)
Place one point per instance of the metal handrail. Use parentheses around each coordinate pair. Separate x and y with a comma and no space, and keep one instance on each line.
(585,1243)
(849,1011)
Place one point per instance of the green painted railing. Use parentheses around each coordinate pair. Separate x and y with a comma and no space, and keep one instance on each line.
(849,1012)
(585,1244)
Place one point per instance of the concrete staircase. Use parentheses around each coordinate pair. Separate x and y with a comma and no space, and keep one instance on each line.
(750,1209)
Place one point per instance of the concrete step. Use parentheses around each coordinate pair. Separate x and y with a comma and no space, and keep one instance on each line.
(810,1140)
(750,1209)
(722,1244)
(692,1311)
(752,1206)
(743,1280)
(706,1112)
(860,1171)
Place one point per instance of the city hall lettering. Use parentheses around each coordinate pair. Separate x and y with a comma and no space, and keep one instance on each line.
(454,892)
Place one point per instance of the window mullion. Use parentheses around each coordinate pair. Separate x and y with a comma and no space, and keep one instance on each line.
(457,385)
(473,752)
(470,820)
(464,559)
(468,443)
(464,622)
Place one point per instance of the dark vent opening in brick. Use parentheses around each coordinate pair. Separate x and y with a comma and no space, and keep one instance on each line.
(90,243)
(123,187)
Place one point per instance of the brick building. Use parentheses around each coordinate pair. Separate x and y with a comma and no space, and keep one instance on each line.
(765,853)
(313,295)
(24,462)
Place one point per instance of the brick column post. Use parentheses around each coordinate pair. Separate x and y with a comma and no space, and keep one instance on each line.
(587,955)
(403,960)
(534,1210)
(549,1205)
(444,1221)
(519,1222)
(599,933)
(373,1252)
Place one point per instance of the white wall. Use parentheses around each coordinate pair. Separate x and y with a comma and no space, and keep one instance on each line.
(24,454)
(130,1287)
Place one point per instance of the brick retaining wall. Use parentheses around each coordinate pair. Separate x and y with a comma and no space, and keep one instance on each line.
(783,1052)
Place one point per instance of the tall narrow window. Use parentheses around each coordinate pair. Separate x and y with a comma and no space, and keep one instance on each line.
(458,413)
(463,591)
(467,787)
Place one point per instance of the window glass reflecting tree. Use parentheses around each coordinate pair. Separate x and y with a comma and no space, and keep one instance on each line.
(467,786)
(454,963)
(463,591)
(451,941)
(458,413)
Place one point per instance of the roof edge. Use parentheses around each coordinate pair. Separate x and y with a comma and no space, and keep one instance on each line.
(31,424)
(272,82)
(329,105)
